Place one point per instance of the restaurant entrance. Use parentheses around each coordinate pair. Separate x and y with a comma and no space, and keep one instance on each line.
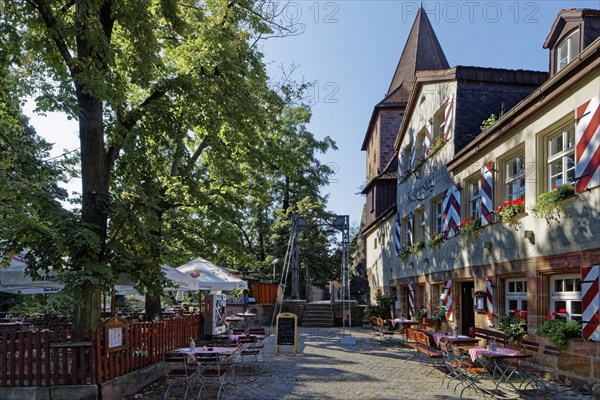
(467,313)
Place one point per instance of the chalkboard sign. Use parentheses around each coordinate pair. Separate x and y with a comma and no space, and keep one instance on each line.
(286,332)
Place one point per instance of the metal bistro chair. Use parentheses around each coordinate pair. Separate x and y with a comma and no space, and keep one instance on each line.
(249,350)
(212,367)
(178,366)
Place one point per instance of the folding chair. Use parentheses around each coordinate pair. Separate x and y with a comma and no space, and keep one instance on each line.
(212,367)
(411,343)
(451,364)
(249,349)
(178,366)
(470,372)
(433,357)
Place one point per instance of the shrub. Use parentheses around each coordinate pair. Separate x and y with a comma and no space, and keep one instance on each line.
(547,204)
(514,326)
(557,331)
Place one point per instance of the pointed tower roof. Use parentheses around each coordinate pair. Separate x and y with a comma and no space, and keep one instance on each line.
(422,52)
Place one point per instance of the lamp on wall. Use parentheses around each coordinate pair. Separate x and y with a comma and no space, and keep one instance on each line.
(479,305)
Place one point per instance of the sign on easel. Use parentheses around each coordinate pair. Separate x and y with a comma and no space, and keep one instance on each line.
(286,333)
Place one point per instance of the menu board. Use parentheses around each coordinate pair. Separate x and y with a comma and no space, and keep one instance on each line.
(286,332)
(115,334)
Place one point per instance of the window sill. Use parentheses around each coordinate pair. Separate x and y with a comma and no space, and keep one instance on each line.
(513,219)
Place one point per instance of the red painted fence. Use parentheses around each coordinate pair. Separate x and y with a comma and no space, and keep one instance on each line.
(49,358)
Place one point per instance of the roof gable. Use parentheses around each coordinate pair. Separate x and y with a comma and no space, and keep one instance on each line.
(421,52)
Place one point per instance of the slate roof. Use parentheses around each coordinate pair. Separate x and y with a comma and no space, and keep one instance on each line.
(421,52)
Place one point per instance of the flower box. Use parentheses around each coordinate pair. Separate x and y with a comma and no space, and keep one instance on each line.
(509,210)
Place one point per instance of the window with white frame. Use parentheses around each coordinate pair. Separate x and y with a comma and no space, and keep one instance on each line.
(515,295)
(436,295)
(419,221)
(475,198)
(420,143)
(565,296)
(561,158)
(567,50)
(515,178)
(438,124)
(438,216)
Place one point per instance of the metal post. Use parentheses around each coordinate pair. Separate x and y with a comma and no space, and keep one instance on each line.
(295,258)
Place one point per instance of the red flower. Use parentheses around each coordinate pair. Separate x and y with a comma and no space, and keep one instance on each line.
(562,311)
(524,313)
(522,319)
(555,187)
(554,313)
(548,316)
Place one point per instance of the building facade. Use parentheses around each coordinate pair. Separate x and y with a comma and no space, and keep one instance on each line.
(510,215)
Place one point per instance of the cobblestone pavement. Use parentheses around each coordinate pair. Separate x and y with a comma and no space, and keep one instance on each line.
(326,369)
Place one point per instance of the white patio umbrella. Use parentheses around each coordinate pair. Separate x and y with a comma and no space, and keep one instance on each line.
(179,281)
(14,279)
(211,277)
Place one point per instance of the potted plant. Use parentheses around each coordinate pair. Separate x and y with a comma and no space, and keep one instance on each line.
(406,175)
(510,209)
(420,313)
(557,331)
(514,326)
(469,225)
(547,205)
(404,252)
(436,146)
(418,163)
(418,246)
(439,315)
(437,239)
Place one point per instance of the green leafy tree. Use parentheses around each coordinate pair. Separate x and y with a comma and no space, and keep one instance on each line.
(177,90)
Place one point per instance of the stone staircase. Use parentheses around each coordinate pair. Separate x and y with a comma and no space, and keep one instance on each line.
(317,315)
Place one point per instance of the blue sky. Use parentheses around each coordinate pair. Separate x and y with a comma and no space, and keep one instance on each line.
(351,49)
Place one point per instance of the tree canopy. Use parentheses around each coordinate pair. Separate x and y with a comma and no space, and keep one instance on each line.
(184,146)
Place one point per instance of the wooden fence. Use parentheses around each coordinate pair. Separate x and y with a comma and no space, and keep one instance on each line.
(49,358)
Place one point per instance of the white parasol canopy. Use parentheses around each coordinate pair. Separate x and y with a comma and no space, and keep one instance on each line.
(14,279)
(211,277)
(180,281)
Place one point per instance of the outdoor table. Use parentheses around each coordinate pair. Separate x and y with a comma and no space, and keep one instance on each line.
(404,323)
(456,340)
(499,372)
(246,315)
(233,320)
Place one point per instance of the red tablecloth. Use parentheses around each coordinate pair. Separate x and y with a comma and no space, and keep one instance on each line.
(474,352)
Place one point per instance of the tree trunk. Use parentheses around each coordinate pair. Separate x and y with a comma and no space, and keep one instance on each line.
(153,306)
(94,185)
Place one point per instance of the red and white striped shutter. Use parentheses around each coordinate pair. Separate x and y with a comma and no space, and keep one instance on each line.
(398,234)
(448,301)
(413,155)
(427,139)
(411,299)
(410,229)
(590,302)
(587,145)
(448,118)
(489,298)
(400,166)
(451,216)
(487,193)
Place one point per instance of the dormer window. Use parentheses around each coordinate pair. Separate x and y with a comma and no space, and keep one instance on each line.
(567,50)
